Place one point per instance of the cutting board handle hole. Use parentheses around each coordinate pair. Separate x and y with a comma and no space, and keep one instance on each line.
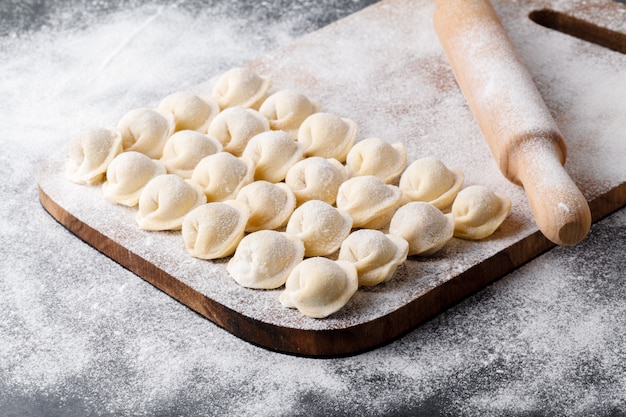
(580,29)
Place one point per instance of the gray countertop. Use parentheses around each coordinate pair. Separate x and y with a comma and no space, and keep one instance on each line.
(80,335)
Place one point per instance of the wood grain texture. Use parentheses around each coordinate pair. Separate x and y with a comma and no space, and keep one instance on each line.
(381,68)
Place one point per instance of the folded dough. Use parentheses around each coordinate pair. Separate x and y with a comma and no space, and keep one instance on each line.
(320,226)
(478,212)
(271,154)
(264,259)
(146,130)
(327,135)
(319,287)
(241,87)
(286,110)
(222,175)
(235,126)
(424,226)
(374,156)
(126,176)
(165,200)
(369,201)
(184,150)
(270,204)
(375,255)
(214,230)
(316,178)
(90,153)
(428,179)
(191,112)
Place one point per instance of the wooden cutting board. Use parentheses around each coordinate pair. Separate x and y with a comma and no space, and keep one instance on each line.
(384,68)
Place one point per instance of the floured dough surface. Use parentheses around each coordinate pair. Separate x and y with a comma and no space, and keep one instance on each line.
(327,135)
(185,149)
(214,230)
(241,87)
(319,287)
(126,176)
(478,211)
(90,153)
(271,154)
(287,109)
(146,130)
(374,156)
(270,204)
(316,178)
(320,226)
(264,259)
(375,255)
(222,175)
(369,201)
(429,179)
(235,126)
(190,111)
(423,226)
(165,200)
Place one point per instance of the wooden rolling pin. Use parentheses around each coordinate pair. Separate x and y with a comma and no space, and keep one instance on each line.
(517,125)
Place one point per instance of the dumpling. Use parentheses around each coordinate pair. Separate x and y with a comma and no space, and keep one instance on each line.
(214,230)
(478,212)
(286,110)
(146,130)
(375,255)
(320,226)
(235,126)
(222,175)
(184,150)
(241,87)
(271,154)
(327,135)
(319,287)
(191,112)
(424,226)
(90,153)
(165,200)
(126,176)
(428,179)
(316,178)
(374,156)
(264,259)
(369,201)
(270,204)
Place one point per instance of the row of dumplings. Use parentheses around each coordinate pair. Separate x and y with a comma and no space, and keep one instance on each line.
(282,187)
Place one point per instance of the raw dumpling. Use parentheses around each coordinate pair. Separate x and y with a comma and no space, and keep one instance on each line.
(126,176)
(184,150)
(478,212)
(428,179)
(214,230)
(241,87)
(271,154)
(270,204)
(316,178)
(90,153)
(320,226)
(222,175)
(318,287)
(191,112)
(424,226)
(165,200)
(235,126)
(369,201)
(286,110)
(327,135)
(146,130)
(377,157)
(375,255)
(264,259)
